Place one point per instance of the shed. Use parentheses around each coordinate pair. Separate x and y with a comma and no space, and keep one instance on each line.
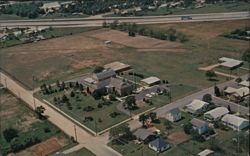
(206,152)
(150,81)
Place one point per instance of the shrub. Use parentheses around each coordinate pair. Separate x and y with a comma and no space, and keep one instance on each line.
(47,130)
(10,134)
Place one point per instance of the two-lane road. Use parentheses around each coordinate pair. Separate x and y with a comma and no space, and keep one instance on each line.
(93,22)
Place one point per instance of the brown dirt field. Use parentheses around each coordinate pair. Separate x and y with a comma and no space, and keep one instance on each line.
(56,57)
(205,30)
(178,137)
(140,42)
(44,148)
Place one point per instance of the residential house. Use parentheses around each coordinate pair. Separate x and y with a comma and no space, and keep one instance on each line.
(196,107)
(199,125)
(144,135)
(235,122)
(216,114)
(236,94)
(245,83)
(206,152)
(150,81)
(173,115)
(159,145)
(107,81)
(51,6)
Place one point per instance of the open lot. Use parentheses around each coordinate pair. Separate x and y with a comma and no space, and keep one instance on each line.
(81,152)
(65,57)
(15,114)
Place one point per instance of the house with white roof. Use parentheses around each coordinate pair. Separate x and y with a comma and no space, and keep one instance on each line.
(216,114)
(245,83)
(235,122)
(235,94)
(173,115)
(197,107)
(51,6)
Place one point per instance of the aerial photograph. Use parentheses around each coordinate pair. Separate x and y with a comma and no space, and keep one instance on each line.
(124,77)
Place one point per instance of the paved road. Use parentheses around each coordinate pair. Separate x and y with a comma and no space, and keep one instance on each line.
(95,144)
(93,22)
(198,95)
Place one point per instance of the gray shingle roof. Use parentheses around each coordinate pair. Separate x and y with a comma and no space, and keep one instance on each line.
(104,75)
(159,143)
(142,134)
(174,111)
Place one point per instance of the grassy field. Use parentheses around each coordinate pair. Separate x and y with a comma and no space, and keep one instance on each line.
(81,152)
(101,116)
(14,114)
(80,52)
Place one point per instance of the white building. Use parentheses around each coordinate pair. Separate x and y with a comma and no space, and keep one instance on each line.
(216,113)
(245,83)
(150,81)
(197,107)
(173,115)
(230,63)
(206,152)
(235,122)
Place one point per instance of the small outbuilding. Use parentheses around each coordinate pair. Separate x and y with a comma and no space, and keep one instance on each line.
(235,122)
(230,63)
(159,145)
(150,81)
(117,66)
(206,152)
(216,113)
(173,115)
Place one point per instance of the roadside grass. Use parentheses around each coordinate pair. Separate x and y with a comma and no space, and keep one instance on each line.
(81,152)
(15,114)
(101,116)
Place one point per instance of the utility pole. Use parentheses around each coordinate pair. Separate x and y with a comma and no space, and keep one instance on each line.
(75,133)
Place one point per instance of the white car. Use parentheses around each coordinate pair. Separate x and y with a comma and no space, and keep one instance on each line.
(148,95)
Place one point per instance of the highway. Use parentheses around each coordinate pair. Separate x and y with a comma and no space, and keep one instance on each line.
(97,21)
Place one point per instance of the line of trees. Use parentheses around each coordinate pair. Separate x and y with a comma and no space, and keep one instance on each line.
(133,29)
(241,34)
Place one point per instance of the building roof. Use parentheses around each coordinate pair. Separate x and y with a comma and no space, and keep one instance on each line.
(243,91)
(196,104)
(158,143)
(230,63)
(217,112)
(245,83)
(174,111)
(205,152)
(197,122)
(234,120)
(142,133)
(117,66)
(118,83)
(151,80)
(104,74)
(230,90)
(90,80)
(51,5)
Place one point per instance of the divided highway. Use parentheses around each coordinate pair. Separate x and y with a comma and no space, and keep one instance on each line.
(93,22)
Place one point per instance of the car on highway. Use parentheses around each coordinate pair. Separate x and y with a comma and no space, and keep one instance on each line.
(186,17)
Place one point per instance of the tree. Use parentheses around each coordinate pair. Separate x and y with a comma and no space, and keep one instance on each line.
(217,91)
(210,74)
(167,124)
(72,93)
(143,118)
(153,116)
(188,128)
(207,98)
(10,134)
(98,69)
(104,24)
(246,55)
(130,102)
(40,111)
(118,131)
(229,109)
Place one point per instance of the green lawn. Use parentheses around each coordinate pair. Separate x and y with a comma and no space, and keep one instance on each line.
(81,152)
(15,114)
(101,116)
